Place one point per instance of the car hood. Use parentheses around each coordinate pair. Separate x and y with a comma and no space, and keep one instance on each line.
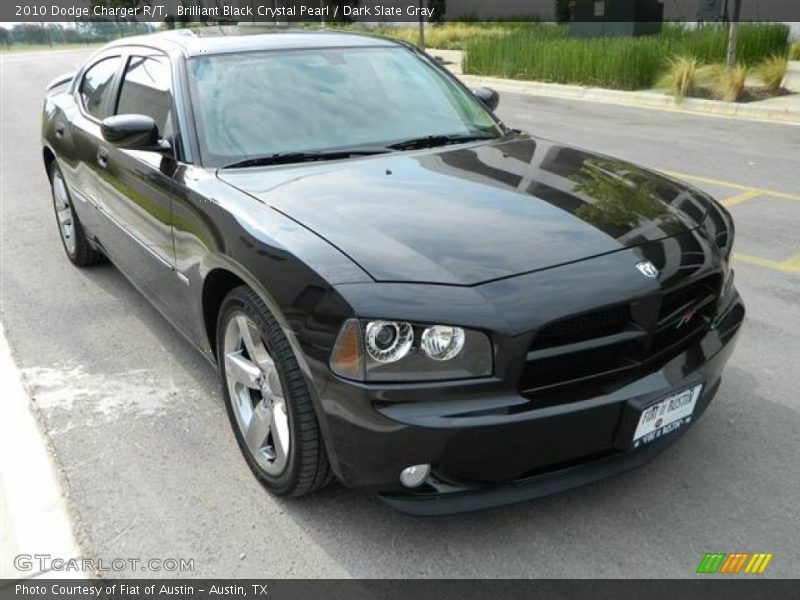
(474,213)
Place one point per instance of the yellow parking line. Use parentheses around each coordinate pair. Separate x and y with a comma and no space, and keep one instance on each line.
(790,265)
(735,186)
(739,198)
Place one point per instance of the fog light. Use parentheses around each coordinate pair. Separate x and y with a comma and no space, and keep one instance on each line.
(415,476)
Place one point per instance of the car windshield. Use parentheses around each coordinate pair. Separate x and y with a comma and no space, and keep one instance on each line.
(256,104)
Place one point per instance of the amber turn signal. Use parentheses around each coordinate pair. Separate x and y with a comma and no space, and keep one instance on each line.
(347,358)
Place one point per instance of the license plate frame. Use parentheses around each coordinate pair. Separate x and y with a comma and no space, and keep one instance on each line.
(665,415)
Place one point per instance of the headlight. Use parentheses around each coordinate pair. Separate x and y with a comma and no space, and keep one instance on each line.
(382,350)
(441,342)
(388,341)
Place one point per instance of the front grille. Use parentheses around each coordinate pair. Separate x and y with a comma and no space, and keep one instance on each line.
(583,327)
(611,346)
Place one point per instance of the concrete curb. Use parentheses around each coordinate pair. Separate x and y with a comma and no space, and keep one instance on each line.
(33,511)
(758,111)
(636,99)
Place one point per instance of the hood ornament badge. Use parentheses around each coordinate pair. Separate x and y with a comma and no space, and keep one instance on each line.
(647,269)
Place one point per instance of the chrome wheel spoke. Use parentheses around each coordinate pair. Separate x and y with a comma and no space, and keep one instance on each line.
(273,383)
(259,428)
(63,212)
(252,342)
(279,426)
(242,371)
(60,193)
(66,227)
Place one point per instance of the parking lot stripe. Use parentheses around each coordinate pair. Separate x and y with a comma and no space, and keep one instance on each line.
(739,198)
(790,265)
(735,186)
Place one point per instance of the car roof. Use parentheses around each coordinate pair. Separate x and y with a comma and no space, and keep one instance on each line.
(214,40)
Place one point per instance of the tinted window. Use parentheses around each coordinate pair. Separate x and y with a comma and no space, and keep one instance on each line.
(317,99)
(146,91)
(96,86)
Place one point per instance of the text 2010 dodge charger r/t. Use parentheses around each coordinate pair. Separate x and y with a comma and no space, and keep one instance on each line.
(398,290)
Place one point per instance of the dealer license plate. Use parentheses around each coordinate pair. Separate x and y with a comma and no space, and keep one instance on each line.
(666,416)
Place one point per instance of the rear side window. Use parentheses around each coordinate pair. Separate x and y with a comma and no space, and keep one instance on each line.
(146,90)
(96,87)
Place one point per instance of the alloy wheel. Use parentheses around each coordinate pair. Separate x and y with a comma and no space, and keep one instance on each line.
(66,222)
(256,394)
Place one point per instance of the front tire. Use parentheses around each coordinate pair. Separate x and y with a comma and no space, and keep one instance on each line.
(267,400)
(76,244)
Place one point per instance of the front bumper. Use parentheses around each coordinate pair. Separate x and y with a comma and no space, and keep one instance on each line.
(438,498)
(490,446)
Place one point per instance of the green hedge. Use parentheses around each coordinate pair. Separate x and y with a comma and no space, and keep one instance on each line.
(544,52)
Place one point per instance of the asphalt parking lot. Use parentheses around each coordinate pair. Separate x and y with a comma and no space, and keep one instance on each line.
(151,468)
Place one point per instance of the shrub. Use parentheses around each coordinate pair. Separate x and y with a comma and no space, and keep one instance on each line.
(794,51)
(728,84)
(771,71)
(681,76)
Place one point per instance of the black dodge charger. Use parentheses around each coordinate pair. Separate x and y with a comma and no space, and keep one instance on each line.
(398,290)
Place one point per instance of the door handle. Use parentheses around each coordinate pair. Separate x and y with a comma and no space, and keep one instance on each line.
(102,157)
(59,130)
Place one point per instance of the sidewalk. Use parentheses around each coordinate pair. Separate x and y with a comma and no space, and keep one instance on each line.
(33,512)
(785,109)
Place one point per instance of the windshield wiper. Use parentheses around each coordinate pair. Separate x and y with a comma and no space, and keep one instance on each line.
(296,157)
(431,141)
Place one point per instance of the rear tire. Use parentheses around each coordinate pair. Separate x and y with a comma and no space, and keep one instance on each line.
(267,400)
(73,238)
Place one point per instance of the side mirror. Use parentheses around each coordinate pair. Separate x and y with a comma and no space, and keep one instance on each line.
(133,132)
(488,96)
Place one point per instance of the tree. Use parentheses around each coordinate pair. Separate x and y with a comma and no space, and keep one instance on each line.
(564,10)
(72,35)
(340,4)
(28,33)
(439,9)
(5,37)
(421,43)
(55,33)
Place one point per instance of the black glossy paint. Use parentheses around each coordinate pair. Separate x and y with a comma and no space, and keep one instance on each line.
(477,213)
(132,132)
(506,236)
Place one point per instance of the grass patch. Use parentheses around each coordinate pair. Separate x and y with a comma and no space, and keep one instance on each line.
(544,52)
(447,36)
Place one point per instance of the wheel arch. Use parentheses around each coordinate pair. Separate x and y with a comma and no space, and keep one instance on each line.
(217,284)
